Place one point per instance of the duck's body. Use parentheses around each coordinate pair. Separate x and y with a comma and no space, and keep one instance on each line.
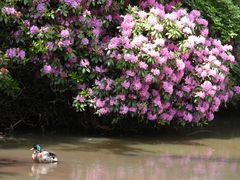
(42,156)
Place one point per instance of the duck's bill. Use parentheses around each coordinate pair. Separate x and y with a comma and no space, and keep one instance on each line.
(31,149)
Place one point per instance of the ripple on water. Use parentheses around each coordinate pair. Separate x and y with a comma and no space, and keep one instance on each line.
(123,158)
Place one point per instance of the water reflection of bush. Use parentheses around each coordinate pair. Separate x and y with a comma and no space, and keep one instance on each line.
(42,169)
(163,167)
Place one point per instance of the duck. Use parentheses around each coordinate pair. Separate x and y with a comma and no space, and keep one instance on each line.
(42,156)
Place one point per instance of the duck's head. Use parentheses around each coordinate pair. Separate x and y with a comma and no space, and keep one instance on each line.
(37,148)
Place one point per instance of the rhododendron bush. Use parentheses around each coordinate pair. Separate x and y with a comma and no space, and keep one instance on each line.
(161,65)
(166,67)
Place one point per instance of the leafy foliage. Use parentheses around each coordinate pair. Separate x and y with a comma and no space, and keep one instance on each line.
(223,16)
(69,43)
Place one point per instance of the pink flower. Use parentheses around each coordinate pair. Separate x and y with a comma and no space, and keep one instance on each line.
(168,87)
(81,86)
(195,13)
(161,60)
(186,89)
(160,42)
(155,93)
(41,7)
(179,93)
(167,70)
(210,116)
(151,2)
(171,16)
(113,101)
(190,43)
(96,32)
(104,110)
(142,65)
(128,23)
(166,117)
(237,89)
(114,42)
(217,101)
(227,48)
(205,105)
(121,97)
(50,46)
(90,91)
(127,33)
(155,71)
(201,94)
(80,98)
(204,32)
(125,84)
(44,29)
(157,101)
(214,108)
(151,116)
(130,57)
(200,108)
(202,22)
(99,103)
(65,33)
(142,14)
(187,30)
(224,68)
(215,51)
(138,40)
(9,10)
(144,94)
(189,107)
(185,56)
(85,41)
(153,53)
(164,52)
(152,20)
(100,69)
(206,86)
(130,73)
(21,54)
(187,117)
(143,110)
(47,69)
(137,85)
(124,109)
(180,64)
(84,63)
(66,43)
(148,78)
(34,29)
(132,109)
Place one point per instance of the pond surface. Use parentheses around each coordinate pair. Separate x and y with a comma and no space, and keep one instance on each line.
(212,154)
(110,159)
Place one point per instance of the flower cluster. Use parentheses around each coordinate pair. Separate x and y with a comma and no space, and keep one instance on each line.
(11,11)
(168,68)
(15,53)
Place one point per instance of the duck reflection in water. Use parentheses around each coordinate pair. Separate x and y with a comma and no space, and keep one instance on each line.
(42,169)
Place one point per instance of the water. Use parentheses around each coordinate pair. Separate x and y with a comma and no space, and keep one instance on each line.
(200,155)
(126,158)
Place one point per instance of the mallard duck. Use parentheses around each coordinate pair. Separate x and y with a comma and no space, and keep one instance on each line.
(42,156)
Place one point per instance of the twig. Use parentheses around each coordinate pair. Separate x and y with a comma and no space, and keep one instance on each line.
(12,126)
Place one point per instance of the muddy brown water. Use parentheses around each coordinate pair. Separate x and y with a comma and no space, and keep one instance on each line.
(202,155)
(114,158)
